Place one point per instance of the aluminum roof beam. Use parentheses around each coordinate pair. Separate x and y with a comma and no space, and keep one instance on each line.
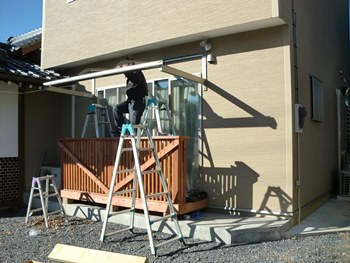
(182,74)
(105,73)
(115,71)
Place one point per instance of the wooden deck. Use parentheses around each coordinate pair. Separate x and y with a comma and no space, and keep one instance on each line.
(87,166)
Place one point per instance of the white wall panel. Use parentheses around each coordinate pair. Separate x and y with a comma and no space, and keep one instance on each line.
(8,120)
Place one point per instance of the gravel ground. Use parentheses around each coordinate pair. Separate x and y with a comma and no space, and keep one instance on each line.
(20,242)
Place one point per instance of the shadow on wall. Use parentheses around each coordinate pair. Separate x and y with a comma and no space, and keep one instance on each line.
(257,119)
(272,193)
(233,186)
(230,187)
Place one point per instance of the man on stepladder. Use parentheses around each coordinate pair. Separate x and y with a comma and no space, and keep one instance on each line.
(136,91)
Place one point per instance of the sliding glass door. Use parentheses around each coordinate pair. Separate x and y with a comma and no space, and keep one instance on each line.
(185,103)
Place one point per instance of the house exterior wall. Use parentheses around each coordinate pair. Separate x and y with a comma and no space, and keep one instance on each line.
(322,41)
(47,118)
(130,26)
(247,121)
(10,177)
(252,157)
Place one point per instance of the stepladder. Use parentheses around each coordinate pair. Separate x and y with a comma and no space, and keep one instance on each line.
(158,114)
(100,121)
(134,133)
(45,188)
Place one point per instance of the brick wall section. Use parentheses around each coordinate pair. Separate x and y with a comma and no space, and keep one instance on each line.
(9,181)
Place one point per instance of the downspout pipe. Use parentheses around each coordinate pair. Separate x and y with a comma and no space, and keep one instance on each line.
(297,101)
(73,121)
(339,131)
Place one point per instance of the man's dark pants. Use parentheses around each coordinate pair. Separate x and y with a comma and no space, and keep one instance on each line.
(135,108)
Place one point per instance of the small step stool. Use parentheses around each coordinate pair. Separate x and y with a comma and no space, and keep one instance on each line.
(139,179)
(44,197)
(158,105)
(100,116)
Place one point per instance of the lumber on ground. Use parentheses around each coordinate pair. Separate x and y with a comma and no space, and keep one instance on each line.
(73,254)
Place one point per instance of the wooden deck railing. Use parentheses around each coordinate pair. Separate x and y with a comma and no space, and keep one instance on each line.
(87,166)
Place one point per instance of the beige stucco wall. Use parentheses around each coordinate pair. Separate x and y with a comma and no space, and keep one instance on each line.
(82,30)
(247,121)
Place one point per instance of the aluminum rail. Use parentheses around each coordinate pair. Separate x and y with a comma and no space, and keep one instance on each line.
(182,74)
(70,92)
(105,73)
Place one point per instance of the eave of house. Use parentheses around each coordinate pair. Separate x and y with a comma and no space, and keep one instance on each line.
(15,69)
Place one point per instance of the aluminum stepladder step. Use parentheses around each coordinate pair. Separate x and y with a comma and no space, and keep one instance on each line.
(49,191)
(138,179)
(100,117)
(158,105)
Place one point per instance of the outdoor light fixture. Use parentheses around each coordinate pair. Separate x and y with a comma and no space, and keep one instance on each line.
(211,59)
(205,45)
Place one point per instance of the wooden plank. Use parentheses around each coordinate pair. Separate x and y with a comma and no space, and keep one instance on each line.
(189,207)
(73,254)
(153,205)
(122,201)
(31,48)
